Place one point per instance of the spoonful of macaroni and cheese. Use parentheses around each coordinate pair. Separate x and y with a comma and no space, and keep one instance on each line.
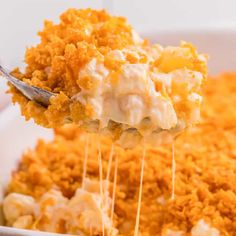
(100,74)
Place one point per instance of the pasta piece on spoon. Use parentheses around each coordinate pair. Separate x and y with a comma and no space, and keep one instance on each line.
(109,80)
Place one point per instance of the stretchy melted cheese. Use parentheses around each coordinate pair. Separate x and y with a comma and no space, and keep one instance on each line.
(109,80)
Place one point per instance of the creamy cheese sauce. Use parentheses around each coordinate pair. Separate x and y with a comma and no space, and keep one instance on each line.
(130,100)
(200,229)
(86,211)
(133,99)
(204,229)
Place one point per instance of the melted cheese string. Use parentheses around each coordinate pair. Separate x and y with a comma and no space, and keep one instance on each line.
(100,179)
(136,230)
(109,162)
(173,172)
(114,188)
(85,159)
(109,169)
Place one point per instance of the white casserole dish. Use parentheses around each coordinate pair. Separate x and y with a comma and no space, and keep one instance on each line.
(16,135)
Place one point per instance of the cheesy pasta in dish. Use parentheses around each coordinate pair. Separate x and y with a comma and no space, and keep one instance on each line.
(109,80)
(55,189)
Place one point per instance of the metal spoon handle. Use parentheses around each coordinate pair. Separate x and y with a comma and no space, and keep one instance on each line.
(31,92)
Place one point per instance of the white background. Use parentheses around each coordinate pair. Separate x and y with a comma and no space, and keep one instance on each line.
(21,19)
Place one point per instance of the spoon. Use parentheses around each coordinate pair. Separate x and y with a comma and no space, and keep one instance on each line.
(33,93)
